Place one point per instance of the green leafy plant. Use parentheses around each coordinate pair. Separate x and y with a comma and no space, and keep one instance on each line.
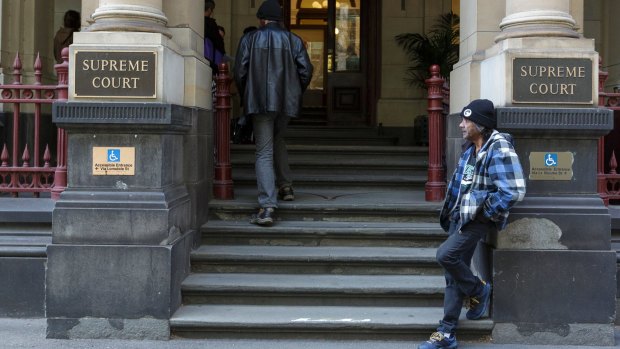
(440,46)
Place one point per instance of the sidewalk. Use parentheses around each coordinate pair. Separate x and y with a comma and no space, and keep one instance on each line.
(30,333)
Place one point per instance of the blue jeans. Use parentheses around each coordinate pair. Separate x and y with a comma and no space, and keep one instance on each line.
(272,169)
(455,255)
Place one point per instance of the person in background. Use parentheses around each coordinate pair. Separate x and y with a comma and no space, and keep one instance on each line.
(64,35)
(486,184)
(214,42)
(272,71)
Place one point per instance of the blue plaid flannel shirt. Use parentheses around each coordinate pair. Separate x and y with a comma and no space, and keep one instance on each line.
(497,185)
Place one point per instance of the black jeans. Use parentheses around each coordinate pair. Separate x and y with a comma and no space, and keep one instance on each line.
(455,255)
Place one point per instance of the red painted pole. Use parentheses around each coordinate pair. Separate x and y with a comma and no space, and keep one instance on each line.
(60,176)
(17,80)
(435,188)
(222,182)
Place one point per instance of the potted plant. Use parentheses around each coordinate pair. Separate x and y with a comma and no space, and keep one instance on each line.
(440,46)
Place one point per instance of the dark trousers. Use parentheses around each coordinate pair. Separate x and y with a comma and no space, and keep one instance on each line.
(272,168)
(455,255)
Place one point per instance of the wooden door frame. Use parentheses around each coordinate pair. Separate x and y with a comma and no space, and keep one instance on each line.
(373,54)
(372,51)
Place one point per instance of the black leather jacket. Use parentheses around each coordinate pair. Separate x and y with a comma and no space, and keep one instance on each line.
(272,71)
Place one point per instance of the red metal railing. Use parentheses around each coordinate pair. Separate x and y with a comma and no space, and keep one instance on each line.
(19,171)
(435,188)
(608,183)
(222,181)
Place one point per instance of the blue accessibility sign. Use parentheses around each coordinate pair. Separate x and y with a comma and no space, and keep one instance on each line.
(114,155)
(551,160)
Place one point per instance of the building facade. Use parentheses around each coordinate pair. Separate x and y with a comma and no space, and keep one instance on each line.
(162,112)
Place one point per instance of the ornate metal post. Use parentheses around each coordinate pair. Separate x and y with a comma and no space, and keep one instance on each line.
(601,182)
(222,181)
(435,188)
(60,176)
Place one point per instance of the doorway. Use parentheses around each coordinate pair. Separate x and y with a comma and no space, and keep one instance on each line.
(336,36)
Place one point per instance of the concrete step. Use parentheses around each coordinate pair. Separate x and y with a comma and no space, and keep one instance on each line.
(343,165)
(26,230)
(304,233)
(341,140)
(350,151)
(317,322)
(305,160)
(345,204)
(315,260)
(326,178)
(319,289)
(331,131)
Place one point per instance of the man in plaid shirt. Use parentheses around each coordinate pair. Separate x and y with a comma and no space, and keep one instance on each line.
(487,182)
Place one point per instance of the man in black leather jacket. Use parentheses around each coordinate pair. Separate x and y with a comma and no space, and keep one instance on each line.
(272,71)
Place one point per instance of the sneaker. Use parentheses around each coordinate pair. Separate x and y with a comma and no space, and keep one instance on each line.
(439,340)
(263,217)
(286,194)
(478,305)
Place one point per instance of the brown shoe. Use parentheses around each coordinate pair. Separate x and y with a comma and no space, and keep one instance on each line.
(286,194)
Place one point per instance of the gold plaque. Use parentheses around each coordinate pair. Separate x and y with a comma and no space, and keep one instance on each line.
(551,166)
(114,161)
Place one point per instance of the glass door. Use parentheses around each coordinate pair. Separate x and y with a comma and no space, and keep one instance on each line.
(332,31)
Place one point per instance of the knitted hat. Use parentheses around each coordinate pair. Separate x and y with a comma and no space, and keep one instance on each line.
(270,10)
(482,112)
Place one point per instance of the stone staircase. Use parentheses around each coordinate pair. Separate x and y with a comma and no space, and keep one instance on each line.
(353,257)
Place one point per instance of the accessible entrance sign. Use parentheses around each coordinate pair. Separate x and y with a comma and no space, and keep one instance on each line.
(551,166)
(114,161)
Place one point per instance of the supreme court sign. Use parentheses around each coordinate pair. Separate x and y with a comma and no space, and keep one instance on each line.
(552,80)
(115,74)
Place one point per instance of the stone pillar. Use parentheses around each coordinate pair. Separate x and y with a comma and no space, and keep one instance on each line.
(138,178)
(130,16)
(543,77)
(479,27)
(533,18)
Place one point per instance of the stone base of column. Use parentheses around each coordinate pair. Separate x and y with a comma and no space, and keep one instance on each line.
(121,241)
(166,72)
(554,297)
(540,23)
(114,291)
(559,334)
(129,18)
(506,81)
(554,272)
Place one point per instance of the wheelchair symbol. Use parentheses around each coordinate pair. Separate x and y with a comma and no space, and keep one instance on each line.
(114,155)
(551,160)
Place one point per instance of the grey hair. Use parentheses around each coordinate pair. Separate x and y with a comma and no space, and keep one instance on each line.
(484,131)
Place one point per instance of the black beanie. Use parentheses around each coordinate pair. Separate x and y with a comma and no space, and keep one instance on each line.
(270,10)
(482,112)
